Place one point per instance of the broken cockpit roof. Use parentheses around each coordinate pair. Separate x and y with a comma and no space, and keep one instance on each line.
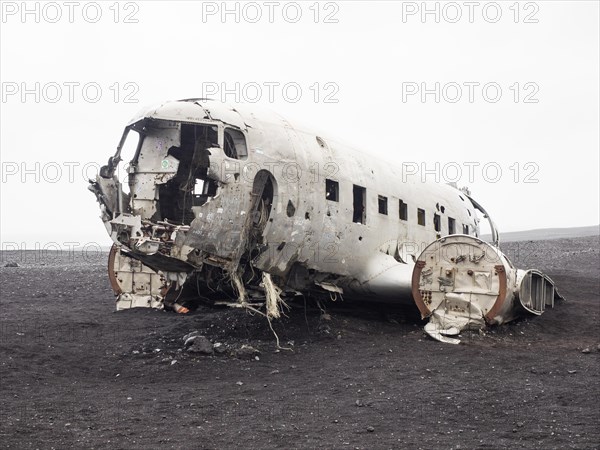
(192,110)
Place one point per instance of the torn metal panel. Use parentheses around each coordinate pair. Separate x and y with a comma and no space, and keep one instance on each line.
(493,228)
(135,284)
(536,291)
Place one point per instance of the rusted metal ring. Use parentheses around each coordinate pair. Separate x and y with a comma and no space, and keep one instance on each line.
(418,298)
(112,275)
(499,303)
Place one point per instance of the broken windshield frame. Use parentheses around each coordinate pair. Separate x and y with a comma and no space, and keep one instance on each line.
(137,127)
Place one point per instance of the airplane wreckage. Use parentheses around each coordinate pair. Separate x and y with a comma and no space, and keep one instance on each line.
(226,200)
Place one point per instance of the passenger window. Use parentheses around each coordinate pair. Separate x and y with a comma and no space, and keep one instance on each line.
(383,204)
(360,204)
(437,222)
(451,226)
(332,190)
(421,216)
(403,211)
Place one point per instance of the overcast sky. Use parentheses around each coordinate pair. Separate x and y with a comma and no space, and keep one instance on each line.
(511,87)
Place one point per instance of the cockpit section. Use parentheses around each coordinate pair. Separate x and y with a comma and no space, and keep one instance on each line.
(161,176)
(174,167)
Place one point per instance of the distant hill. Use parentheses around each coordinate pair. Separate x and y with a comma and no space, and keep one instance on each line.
(546,233)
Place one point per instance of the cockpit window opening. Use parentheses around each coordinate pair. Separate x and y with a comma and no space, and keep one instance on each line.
(128,152)
(130,145)
(234,144)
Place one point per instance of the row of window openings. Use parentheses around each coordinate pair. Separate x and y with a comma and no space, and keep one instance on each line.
(360,201)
